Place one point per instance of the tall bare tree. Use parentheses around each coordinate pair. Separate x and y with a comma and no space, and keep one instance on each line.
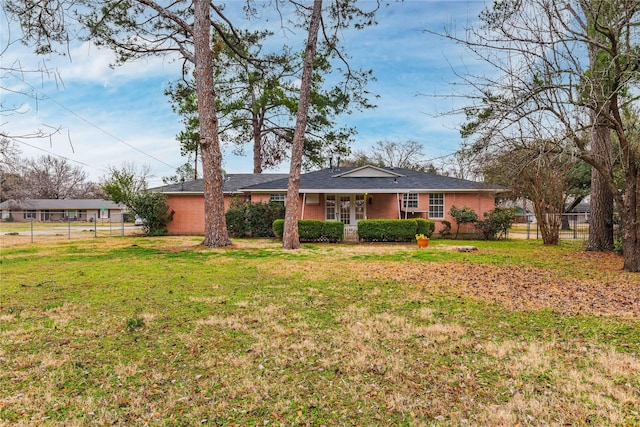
(339,15)
(215,225)
(601,215)
(290,237)
(539,50)
(140,28)
(49,177)
(14,71)
(539,176)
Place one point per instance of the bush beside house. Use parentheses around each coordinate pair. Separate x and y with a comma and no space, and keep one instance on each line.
(252,219)
(311,230)
(394,230)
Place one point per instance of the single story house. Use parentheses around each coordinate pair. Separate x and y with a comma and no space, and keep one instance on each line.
(347,194)
(43,210)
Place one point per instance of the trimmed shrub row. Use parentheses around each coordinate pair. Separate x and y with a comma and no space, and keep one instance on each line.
(311,230)
(394,230)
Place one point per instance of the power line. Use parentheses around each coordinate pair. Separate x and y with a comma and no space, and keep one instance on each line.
(58,155)
(45,97)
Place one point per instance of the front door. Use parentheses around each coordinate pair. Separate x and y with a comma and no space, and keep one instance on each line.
(345,203)
(348,209)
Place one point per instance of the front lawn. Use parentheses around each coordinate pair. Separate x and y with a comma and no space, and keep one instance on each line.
(163,331)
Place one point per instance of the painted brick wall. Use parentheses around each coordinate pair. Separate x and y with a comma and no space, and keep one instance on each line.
(189,214)
(189,210)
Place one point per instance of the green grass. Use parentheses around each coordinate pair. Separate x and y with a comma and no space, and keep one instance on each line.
(161,331)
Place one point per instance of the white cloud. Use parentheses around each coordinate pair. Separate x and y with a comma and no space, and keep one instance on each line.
(128,101)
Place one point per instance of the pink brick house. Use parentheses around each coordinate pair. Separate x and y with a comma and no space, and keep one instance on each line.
(347,194)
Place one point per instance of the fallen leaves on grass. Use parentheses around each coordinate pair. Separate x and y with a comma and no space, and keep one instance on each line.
(524,288)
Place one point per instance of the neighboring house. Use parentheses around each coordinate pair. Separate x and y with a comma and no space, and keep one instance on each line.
(61,210)
(581,212)
(345,194)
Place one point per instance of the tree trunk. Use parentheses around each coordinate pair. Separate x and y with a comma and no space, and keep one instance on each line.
(215,227)
(291,238)
(257,144)
(601,215)
(549,222)
(629,219)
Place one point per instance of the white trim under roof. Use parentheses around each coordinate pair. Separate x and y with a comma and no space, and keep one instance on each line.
(376,190)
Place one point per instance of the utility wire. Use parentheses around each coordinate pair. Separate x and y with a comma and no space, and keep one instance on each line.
(45,97)
(57,155)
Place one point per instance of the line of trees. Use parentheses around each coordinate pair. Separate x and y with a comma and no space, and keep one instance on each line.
(43,177)
(562,89)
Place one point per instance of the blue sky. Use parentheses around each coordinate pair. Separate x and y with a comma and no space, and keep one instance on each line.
(108,116)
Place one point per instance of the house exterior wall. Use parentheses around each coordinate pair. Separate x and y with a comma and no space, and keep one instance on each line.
(481,203)
(188,217)
(189,209)
(313,211)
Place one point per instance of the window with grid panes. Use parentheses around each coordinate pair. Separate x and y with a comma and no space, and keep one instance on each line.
(277,197)
(436,205)
(410,200)
(330,207)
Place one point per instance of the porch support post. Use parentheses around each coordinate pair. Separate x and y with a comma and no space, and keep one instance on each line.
(304,202)
(399,206)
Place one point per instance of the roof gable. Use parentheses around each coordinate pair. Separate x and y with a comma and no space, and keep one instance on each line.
(368,171)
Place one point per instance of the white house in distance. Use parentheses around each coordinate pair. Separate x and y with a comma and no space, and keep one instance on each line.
(48,210)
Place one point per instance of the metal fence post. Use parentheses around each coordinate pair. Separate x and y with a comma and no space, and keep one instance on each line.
(122,222)
(69,226)
(32,230)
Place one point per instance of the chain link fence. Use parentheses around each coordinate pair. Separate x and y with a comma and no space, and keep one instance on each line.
(25,225)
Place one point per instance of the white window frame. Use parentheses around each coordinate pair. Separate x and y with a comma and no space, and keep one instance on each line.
(410,200)
(330,207)
(277,197)
(436,203)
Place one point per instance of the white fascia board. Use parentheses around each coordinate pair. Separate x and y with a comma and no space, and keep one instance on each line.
(184,193)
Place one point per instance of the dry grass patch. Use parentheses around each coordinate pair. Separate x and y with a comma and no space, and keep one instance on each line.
(329,335)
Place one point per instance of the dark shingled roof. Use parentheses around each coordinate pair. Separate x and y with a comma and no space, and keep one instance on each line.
(396,180)
(371,180)
(232,183)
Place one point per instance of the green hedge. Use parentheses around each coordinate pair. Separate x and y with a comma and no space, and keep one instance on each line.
(311,230)
(278,228)
(254,219)
(390,230)
(425,226)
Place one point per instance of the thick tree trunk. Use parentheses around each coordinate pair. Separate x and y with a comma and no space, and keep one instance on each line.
(601,215)
(630,220)
(291,238)
(215,227)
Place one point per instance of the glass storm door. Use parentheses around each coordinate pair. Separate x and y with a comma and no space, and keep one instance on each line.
(344,209)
